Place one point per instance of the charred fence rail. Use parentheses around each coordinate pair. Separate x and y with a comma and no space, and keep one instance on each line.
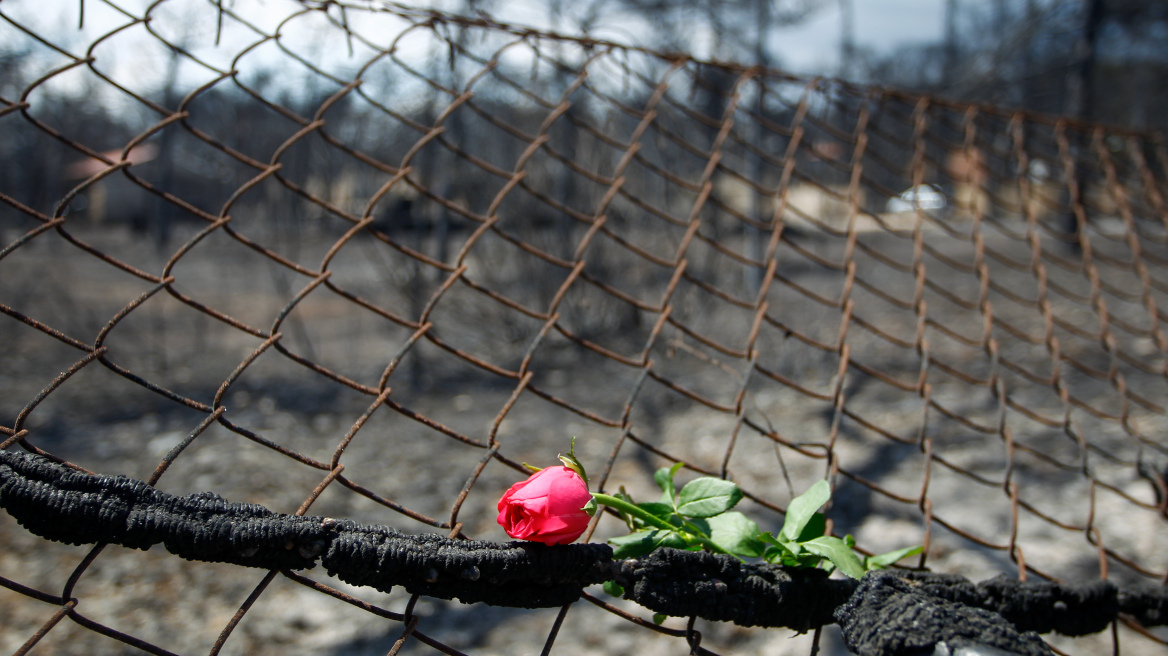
(953,312)
(886,614)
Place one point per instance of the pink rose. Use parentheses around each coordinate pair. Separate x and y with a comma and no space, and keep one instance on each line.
(548,507)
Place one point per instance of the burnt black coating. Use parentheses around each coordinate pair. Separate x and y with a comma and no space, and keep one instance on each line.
(59,503)
(892,616)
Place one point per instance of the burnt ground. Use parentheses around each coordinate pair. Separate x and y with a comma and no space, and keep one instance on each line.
(108,424)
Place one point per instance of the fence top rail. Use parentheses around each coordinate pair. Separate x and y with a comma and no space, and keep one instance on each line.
(367,259)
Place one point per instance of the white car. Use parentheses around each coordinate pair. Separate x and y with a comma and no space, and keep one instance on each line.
(926,196)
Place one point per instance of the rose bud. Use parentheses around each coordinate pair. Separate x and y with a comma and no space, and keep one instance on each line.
(548,507)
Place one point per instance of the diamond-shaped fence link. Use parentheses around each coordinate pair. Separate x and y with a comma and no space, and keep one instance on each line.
(367,259)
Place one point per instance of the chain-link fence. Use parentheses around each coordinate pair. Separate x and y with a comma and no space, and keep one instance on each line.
(366,260)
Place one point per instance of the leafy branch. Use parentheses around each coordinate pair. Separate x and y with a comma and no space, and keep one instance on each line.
(699,517)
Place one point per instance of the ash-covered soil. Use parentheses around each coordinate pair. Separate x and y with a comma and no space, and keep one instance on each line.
(889,480)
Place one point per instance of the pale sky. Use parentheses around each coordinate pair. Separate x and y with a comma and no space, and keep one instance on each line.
(811,47)
(808,48)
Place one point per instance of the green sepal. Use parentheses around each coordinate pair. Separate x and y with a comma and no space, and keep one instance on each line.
(658,618)
(614,589)
(571,462)
(590,507)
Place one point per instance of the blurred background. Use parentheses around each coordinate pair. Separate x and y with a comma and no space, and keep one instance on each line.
(917,247)
(1101,60)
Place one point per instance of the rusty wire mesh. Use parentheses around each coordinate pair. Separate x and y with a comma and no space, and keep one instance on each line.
(470,242)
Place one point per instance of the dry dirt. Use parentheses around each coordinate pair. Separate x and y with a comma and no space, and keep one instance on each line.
(111,425)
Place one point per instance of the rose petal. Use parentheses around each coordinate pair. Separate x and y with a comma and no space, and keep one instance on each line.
(547,507)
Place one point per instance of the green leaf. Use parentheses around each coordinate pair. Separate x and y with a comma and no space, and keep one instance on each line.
(883,560)
(614,589)
(815,527)
(809,560)
(789,560)
(781,551)
(707,497)
(643,542)
(773,554)
(769,538)
(737,534)
(664,478)
(658,618)
(835,550)
(664,511)
(634,544)
(785,556)
(803,508)
(698,526)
